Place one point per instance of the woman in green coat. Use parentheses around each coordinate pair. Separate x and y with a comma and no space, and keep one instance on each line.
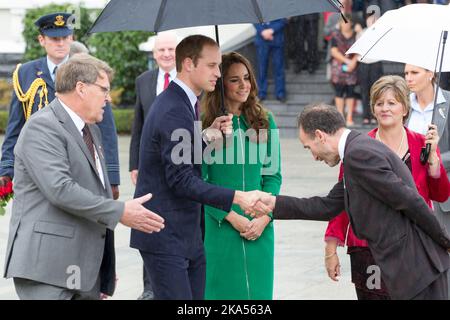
(240,250)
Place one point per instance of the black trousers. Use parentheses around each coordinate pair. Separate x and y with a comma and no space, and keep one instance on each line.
(367,75)
(176,277)
(303,40)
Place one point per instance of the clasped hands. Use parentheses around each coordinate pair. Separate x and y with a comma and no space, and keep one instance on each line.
(255,203)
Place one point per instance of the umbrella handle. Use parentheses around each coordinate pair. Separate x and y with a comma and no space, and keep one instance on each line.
(425,153)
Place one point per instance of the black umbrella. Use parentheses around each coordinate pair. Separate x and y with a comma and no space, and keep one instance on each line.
(160,15)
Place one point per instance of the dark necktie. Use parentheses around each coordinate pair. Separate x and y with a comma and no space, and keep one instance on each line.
(166,80)
(197,110)
(54,73)
(87,137)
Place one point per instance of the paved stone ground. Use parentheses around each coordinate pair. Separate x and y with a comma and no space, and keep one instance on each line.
(299,268)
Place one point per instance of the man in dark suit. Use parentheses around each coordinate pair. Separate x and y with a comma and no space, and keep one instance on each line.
(148,85)
(170,167)
(378,192)
(38,77)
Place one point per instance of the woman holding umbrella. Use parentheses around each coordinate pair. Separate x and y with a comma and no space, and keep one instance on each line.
(422,83)
(390,106)
(240,251)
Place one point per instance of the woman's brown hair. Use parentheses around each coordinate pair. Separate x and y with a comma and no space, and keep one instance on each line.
(255,115)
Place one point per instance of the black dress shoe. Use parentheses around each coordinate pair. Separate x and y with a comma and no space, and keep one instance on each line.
(146,295)
(282,99)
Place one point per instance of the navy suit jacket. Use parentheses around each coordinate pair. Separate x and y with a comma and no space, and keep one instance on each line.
(278,35)
(178,189)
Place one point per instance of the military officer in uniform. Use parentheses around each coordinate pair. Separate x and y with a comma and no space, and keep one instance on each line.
(269,41)
(34,88)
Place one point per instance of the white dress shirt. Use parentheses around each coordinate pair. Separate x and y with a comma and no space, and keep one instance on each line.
(160,81)
(342,142)
(79,123)
(420,119)
(191,95)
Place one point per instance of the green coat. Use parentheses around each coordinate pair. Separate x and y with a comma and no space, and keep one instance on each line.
(235,267)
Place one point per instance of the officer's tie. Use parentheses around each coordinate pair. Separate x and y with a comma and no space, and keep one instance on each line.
(54,73)
(166,80)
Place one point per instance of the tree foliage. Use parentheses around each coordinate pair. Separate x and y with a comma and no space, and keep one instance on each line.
(119,49)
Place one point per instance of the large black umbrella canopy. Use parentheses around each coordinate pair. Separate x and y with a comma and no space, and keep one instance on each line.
(160,15)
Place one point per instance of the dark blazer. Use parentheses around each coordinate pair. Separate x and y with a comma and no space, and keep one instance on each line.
(178,189)
(145,95)
(379,194)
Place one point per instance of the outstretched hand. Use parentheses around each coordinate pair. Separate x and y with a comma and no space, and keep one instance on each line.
(138,217)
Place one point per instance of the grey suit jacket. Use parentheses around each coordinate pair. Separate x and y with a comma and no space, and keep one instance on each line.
(145,95)
(379,195)
(62,215)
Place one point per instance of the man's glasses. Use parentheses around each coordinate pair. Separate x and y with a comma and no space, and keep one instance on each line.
(105,90)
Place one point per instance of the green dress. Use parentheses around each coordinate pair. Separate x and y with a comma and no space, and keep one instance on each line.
(235,267)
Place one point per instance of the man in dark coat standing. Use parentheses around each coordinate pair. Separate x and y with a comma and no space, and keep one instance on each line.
(149,85)
(378,192)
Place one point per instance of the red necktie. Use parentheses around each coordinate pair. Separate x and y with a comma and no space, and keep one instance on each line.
(166,80)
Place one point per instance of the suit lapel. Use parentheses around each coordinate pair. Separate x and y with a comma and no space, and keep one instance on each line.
(68,124)
(153,82)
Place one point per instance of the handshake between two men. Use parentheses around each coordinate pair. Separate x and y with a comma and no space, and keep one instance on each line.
(255,203)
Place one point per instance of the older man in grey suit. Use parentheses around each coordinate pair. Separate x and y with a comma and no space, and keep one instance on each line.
(61,243)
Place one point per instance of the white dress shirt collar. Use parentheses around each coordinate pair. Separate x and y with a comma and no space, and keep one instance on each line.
(160,81)
(79,123)
(342,142)
(191,95)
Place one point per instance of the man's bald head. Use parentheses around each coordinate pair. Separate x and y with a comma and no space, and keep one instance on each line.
(164,50)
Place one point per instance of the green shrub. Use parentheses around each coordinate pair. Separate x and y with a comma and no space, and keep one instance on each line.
(119,49)
(124,120)
(6,90)
(3,120)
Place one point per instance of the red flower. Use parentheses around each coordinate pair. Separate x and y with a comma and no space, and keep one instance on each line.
(6,194)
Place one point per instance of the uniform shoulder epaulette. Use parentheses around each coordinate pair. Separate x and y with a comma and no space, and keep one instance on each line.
(28,97)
